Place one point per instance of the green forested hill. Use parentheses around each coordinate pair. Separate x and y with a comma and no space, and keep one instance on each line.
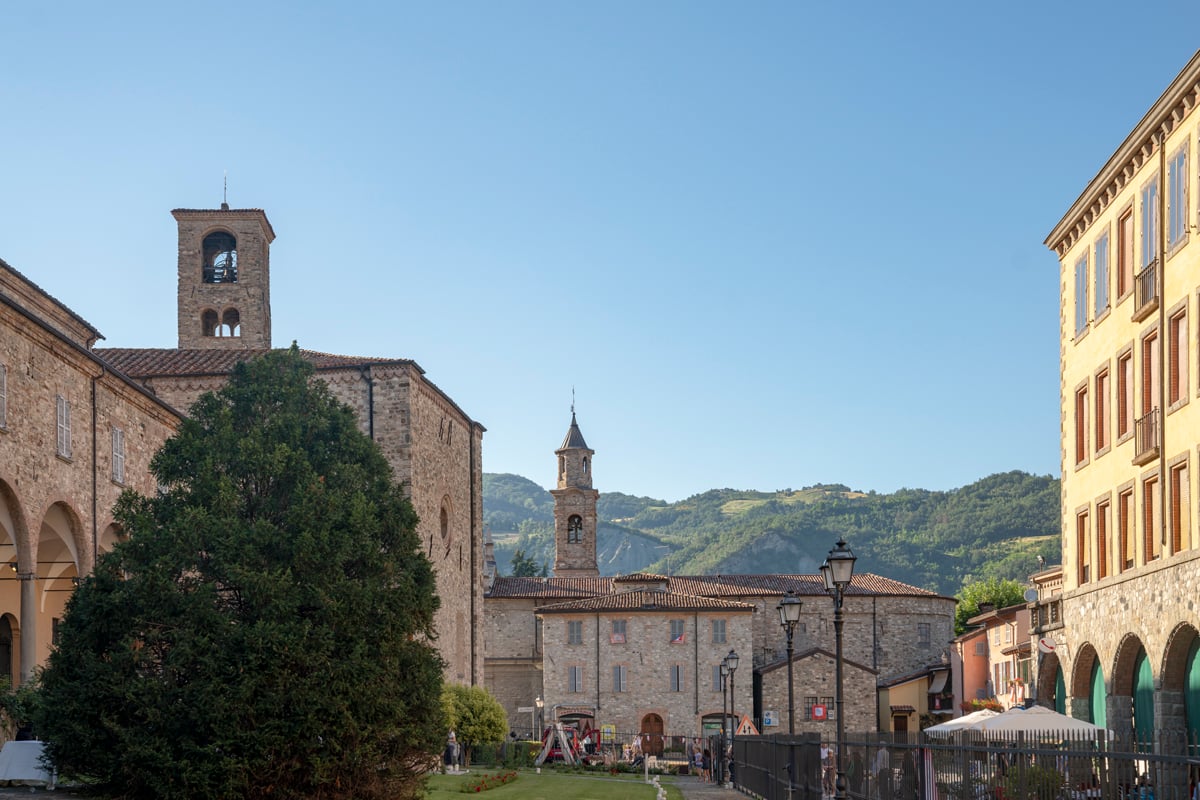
(995,527)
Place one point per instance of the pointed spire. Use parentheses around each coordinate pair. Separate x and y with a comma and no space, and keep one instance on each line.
(574,439)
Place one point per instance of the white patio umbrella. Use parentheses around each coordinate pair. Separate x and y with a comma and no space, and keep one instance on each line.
(1035,719)
(966,722)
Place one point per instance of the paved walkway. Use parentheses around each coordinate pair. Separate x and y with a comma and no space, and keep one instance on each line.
(694,789)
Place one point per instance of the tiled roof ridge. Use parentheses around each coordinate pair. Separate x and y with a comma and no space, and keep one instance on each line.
(647,600)
(863,585)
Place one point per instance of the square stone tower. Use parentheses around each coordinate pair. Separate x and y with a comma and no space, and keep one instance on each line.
(224,278)
(575,522)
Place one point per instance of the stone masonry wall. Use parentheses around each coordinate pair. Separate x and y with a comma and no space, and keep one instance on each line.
(815,675)
(56,511)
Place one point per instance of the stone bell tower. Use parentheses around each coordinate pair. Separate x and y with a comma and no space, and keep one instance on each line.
(575,508)
(224,278)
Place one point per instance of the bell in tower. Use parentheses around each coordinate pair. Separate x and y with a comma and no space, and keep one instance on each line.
(575,508)
(224,278)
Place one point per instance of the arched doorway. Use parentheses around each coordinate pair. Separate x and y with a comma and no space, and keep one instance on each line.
(1097,695)
(652,735)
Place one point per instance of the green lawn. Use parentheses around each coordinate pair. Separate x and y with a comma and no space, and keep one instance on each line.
(551,785)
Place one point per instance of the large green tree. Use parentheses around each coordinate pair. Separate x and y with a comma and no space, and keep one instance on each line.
(265,629)
(1001,593)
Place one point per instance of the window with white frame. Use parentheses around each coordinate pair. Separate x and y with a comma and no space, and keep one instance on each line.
(118,455)
(718,631)
(574,679)
(63,407)
(1177,202)
(574,632)
(619,684)
(676,677)
(1150,222)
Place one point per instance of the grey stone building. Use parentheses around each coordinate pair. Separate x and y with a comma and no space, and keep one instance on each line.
(641,653)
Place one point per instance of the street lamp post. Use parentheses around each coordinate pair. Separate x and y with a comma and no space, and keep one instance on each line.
(789,617)
(732,661)
(719,761)
(837,572)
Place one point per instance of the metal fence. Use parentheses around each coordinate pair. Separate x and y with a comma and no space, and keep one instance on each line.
(974,766)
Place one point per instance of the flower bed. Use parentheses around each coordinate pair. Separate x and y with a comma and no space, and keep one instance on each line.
(484,782)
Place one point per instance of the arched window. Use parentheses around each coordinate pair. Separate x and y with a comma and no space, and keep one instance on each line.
(208,322)
(220,258)
(574,529)
(231,323)
(585,465)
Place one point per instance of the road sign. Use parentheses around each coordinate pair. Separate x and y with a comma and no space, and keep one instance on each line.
(524,709)
(820,713)
(769,720)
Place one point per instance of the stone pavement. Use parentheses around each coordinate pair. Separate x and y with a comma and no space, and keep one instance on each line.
(693,788)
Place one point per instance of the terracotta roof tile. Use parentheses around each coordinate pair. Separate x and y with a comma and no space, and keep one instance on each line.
(147,362)
(713,586)
(646,600)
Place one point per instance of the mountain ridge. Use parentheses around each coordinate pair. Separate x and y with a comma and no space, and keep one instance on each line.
(996,526)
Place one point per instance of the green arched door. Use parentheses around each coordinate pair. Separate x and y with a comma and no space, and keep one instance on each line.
(1099,708)
(1143,700)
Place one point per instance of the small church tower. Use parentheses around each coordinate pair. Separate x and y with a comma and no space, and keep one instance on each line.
(224,278)
(575,508)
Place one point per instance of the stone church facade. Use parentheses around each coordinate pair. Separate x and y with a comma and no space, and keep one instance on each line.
(640,654)
(224,316)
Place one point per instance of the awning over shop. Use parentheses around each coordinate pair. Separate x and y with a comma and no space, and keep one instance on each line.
(937,684)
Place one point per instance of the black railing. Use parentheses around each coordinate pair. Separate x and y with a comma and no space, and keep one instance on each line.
(1145,290)
(1146,438)
(973,765)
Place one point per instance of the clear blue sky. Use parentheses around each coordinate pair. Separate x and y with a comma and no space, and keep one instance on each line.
(769,244)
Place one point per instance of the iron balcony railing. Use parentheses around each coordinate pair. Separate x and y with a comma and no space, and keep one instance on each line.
(1145,291)
(1146,438)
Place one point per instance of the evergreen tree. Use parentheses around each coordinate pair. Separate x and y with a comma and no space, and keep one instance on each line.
(264,630)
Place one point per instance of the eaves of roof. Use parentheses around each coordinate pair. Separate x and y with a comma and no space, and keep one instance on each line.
(648,601)
(5,265)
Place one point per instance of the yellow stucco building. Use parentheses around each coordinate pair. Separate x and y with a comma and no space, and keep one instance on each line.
(1122,629)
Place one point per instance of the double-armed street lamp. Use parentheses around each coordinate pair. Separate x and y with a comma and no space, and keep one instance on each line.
(837,571)
(789,617)
(731,661)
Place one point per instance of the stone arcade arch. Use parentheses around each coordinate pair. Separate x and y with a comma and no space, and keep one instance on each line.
(1132,692)
(1049,680)
(51,580)
(1086,698)
(1179,691)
